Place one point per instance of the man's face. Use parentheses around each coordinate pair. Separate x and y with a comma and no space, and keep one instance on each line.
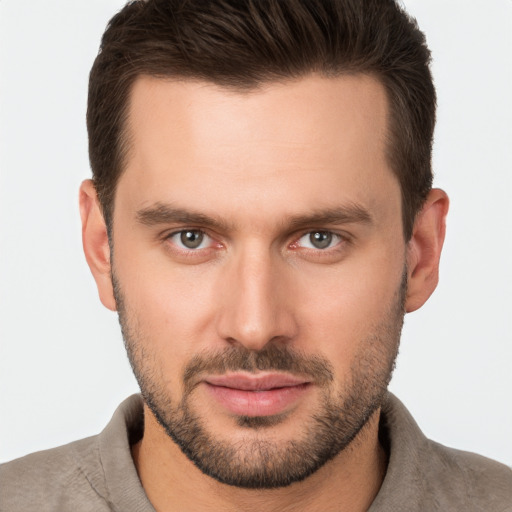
(258,262)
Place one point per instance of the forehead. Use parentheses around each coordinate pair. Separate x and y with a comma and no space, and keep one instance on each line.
(315,142)
(312,111)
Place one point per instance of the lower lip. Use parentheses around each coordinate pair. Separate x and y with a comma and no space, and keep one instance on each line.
(257,403)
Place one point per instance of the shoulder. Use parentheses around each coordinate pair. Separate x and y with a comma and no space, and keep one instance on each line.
(425,475)
(53,480)
(88,475)
(459,475)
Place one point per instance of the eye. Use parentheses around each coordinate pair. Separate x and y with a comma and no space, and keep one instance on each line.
(319,240)
(191,239)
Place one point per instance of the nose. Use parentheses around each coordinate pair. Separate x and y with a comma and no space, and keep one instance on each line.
(255,302)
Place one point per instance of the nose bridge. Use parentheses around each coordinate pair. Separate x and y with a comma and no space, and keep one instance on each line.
(254,309)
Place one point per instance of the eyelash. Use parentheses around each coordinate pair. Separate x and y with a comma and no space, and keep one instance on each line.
(182,231)
(334,237)
(340,240)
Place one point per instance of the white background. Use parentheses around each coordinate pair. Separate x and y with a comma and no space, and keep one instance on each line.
(63,368)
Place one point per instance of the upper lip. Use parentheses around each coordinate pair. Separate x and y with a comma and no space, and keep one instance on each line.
(255,382)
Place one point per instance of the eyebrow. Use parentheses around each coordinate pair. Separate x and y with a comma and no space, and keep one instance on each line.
(347,214)
(163,213)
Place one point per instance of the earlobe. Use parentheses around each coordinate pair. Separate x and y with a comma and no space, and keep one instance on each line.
(424,249)
(95,243)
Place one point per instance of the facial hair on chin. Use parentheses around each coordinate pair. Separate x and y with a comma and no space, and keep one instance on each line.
(258,463)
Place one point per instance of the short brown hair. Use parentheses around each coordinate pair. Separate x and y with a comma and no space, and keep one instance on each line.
(243,43)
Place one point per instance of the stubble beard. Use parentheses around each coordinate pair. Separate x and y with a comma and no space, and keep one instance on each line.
(257,462)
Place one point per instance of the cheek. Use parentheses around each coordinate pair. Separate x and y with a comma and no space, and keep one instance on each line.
(169,308)
(340,311)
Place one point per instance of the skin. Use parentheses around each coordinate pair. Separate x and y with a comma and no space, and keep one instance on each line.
(256,162)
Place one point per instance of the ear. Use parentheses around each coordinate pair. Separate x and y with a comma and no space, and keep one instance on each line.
(95,243)
(424,249)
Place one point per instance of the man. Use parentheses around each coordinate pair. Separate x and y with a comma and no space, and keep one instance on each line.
(261,216)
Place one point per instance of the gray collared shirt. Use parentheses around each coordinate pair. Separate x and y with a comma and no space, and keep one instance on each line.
(98,474)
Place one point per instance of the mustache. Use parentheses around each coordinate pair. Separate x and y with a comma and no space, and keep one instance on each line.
(271,358)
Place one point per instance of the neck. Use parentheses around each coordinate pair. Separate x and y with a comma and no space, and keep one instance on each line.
(348,483)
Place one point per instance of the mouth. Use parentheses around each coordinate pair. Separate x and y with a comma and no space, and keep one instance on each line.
(264,394)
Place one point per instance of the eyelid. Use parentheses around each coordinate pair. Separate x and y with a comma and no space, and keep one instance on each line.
(342,238)
(170,235)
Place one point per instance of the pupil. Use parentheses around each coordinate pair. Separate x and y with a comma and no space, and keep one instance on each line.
(191,239)
(320,239)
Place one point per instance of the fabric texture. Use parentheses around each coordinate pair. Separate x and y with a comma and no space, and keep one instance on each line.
(98,473)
